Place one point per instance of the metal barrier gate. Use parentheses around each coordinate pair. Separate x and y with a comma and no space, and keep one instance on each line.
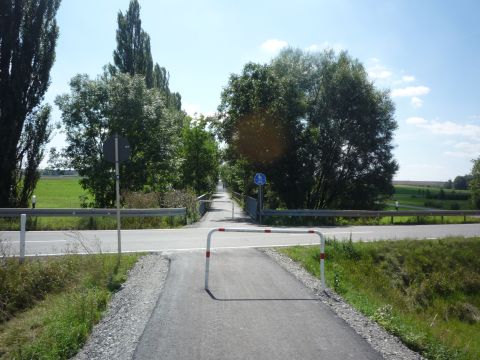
(224,201)
(268,231)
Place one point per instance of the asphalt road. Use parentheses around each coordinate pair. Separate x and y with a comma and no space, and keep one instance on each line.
(254,310)
(194,237)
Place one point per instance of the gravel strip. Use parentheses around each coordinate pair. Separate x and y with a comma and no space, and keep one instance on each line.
(117,334)
(389,346)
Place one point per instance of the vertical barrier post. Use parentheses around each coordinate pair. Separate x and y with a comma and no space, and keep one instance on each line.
(322,259)
(207,257)
(233,211)
(23,223)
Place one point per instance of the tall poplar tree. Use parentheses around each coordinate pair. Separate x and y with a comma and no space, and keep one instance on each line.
(28,35)
(133,54)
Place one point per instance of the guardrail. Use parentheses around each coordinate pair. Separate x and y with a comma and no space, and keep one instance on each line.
(267,231)
(13,212)
(251,207)
(368,213)
(202,206)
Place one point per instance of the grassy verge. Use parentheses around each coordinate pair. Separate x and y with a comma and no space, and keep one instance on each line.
(425,292)
(48,306)
(389,220)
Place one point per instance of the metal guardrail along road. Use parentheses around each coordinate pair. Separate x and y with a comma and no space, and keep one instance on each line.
(267,231)
(14,212)
(368,213)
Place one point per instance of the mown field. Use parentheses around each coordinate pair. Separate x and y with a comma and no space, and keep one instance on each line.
(66,192)
(48,306)
(431,197)
(59,192)
(425,292)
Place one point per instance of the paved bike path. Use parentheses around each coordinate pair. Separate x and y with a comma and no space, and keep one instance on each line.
(256,310)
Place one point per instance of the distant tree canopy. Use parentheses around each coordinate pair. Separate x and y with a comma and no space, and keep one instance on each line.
(475,183)
(461,182)
(133,55)
(28,36)
(200,158)
(315,125)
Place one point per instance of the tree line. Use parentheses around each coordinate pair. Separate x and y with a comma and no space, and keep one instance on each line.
(131,97)
(315,125)
(312,122)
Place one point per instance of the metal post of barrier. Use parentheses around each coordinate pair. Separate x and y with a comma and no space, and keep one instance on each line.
(279,231)
(23,223)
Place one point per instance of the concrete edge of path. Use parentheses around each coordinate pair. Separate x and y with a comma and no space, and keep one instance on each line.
(389,346)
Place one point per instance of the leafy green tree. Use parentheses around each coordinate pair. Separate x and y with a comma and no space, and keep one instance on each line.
(133,55)
(28,35)
(200,158)
(96,109)
(475,183)
(460,183)
(315,125)
(448,184)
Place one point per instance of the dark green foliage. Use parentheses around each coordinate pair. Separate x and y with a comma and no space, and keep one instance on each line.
(30,151)
(134,56)
(475,183)
(315,125)
(95,109)
(200,157)
(460,183)
(28,35)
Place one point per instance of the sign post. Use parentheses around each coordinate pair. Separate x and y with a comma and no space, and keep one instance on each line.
(260,179)
(117,149)
(117,186)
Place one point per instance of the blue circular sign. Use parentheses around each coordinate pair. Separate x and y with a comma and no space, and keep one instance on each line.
(260,179)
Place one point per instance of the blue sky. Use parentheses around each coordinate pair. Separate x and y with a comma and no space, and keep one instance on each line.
(426,52)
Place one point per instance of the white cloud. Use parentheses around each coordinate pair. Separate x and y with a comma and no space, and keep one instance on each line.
(416,102)
(408,78)
(411,91)
(337,47)
(194,110)
(416,121)
(273,45)
(446,127)
(474,117)
(465,150)
(377,71)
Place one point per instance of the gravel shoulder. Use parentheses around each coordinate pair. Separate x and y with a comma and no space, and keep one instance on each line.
(117,334)
(389,346)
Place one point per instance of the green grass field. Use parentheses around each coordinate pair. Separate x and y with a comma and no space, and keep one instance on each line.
(425,292)
(65,192)
(59,192)
(417,196)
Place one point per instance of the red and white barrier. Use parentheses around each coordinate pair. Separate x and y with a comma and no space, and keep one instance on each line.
(268,231)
